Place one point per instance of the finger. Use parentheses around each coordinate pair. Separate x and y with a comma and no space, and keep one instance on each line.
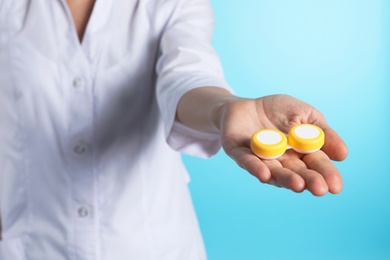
(314,181)
(283,177)
(320,163)
(334,146)
(244,157)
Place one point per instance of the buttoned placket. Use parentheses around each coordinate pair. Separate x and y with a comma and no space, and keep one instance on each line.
(82,166)
(78,70)
(84,181)
(86,243)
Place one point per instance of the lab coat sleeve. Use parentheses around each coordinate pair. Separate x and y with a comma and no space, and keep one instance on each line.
(187,61)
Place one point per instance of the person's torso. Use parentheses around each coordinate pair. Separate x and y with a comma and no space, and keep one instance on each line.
(85,170)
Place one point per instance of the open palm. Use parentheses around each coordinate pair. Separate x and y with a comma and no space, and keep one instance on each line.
(315,172)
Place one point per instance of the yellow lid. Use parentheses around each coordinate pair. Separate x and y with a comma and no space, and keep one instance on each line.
(268,143)
(306,138)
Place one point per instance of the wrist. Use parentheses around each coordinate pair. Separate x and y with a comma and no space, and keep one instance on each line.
(202,108)
(219,109)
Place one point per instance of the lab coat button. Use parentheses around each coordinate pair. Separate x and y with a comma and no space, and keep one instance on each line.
(80,149)
(78,82)
(82,212)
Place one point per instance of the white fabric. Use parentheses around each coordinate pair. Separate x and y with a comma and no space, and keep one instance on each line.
(87,130)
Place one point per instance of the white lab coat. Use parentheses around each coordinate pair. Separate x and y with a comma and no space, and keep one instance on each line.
(89,161)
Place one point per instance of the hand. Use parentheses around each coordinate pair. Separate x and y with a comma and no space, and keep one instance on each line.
(240,118)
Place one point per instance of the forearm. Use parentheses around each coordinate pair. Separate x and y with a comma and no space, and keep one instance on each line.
(201,108)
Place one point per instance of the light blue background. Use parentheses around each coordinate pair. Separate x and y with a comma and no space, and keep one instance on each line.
(334,55)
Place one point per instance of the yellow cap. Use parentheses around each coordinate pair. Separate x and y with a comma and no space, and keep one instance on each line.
(306,138)
(268,143)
